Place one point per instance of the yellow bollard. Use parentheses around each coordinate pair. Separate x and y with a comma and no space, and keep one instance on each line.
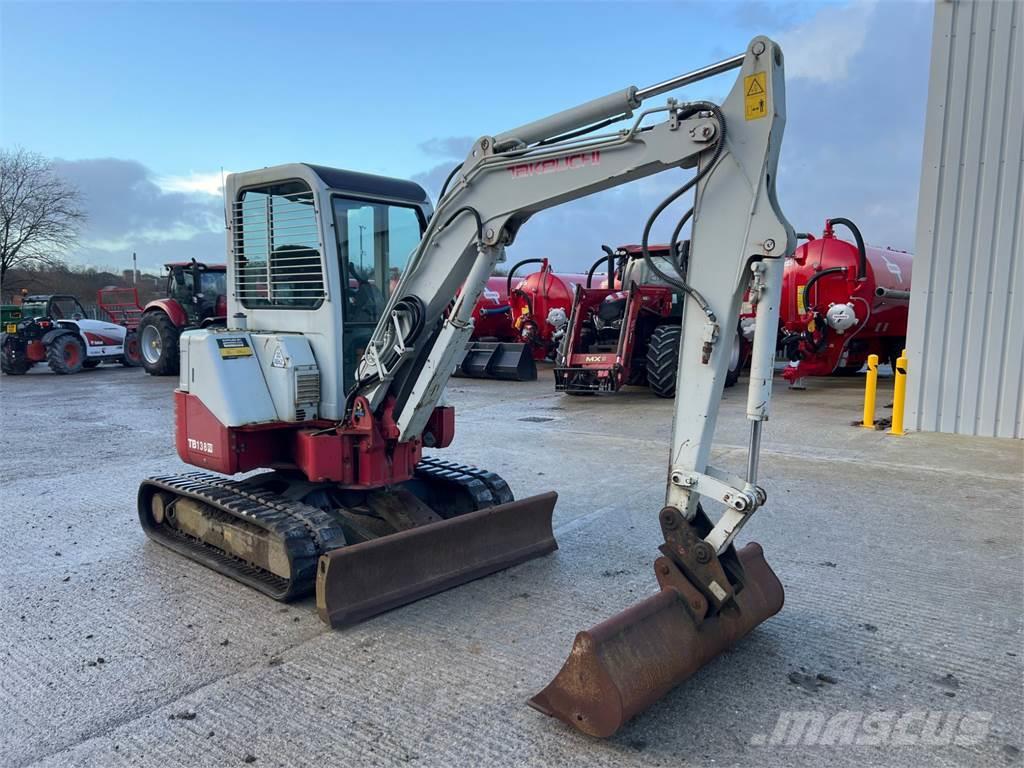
(899,394)
(870,386)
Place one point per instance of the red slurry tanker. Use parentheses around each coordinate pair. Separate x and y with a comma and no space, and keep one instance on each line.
(841,302)
(518,320)
(540,305)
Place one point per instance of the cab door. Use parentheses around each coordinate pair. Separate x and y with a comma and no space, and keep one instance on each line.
(375,241)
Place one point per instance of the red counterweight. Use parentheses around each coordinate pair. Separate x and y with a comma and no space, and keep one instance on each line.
(841,302)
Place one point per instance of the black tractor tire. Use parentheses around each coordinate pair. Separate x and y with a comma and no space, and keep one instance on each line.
(65,354)
(158,342)
(19,366)
(663,360)
(132,357)
(90,364)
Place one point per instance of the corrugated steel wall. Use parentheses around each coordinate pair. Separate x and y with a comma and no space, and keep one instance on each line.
(966,337)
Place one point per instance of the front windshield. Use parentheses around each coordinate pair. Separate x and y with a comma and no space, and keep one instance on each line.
(213,283)
(375,241)
(33,308)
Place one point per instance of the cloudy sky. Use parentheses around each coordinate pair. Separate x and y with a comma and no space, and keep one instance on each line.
(143,105)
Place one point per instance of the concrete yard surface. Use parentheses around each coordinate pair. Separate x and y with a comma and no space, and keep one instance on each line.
(899,643)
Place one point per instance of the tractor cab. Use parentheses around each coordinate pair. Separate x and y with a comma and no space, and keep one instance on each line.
(200,289)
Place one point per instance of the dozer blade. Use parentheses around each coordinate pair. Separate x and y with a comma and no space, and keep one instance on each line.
(623,665)
(498,360)
(362,580)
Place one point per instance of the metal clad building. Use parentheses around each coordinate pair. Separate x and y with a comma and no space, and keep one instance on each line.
(966,334)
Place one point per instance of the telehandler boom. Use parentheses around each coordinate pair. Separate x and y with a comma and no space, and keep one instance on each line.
(346,320)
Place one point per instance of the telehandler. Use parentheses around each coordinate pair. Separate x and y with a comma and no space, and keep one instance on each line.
(332,368)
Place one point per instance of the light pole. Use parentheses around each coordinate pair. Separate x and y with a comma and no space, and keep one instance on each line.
(362,252)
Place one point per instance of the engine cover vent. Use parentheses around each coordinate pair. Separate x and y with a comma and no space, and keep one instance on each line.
(307,388)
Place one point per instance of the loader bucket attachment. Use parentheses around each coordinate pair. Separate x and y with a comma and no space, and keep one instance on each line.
(364,579)
(498,360)
(623,665)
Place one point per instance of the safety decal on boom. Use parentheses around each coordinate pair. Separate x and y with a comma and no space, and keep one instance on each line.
(234,347)
(755,99)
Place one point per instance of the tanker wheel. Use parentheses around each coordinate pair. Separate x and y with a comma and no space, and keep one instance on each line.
(663,360)
(158,342)
(132,356)
(66,354)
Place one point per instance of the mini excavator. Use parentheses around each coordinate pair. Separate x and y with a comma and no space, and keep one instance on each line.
(350,305)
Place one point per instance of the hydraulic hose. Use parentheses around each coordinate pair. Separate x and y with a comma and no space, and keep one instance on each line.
(815,278)
(476,217)
(719,145)
(862,255)
(610,260)
(674,243)
(447,181)
(512,272)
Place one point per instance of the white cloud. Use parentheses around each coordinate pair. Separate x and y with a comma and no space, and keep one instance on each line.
(822,48)
(179,231)
(195,183)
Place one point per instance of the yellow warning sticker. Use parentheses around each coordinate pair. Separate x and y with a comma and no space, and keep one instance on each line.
(234,347)
(755,99)
(800,308)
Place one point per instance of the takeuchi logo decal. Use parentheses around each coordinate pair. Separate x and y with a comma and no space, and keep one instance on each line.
(556,164)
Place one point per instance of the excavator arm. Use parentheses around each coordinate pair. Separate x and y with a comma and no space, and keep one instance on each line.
(711,594)
(738,241)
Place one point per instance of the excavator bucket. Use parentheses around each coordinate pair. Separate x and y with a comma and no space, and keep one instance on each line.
(364,579)
(623,665)
(498,360)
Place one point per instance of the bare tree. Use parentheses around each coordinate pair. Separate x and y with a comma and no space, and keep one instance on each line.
(40,213)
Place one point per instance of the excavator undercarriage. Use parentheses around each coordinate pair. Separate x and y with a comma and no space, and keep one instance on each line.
(447,525)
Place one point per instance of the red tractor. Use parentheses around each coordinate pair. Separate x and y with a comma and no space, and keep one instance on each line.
(629,331)
(196,298)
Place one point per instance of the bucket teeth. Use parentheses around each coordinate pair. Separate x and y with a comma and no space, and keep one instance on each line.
(620,667)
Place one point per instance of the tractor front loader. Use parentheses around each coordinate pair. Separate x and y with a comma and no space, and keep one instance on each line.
(333,366)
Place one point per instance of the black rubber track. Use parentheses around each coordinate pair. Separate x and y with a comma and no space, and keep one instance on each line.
(306,531)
